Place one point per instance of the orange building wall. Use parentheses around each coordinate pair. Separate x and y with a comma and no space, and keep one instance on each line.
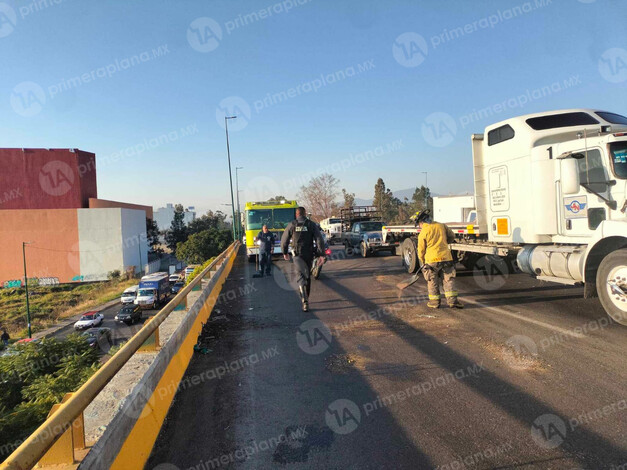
(104,204)
(54,251)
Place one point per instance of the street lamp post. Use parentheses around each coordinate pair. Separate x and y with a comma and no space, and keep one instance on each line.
(426,187)
(228,153)
(239,217)
(30,332)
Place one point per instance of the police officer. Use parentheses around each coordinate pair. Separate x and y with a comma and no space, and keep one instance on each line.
(437,260)
(303,232)
(266,241)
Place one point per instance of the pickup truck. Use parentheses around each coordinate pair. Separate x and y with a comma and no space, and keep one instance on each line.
(367,237)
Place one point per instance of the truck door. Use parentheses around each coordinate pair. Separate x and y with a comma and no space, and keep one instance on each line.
(355,235)
(582,213)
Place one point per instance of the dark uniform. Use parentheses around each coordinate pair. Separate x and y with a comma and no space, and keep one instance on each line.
(265,251)
(303,232)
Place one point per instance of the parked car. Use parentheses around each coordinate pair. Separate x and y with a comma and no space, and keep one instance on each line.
(89,320)
(175,277)
(129,295)
(129,314)
(177,286)
(99,338)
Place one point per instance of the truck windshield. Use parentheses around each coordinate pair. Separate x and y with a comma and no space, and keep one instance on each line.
(282,217)
(371,226)
(145,292)
(618,154)
(257,218)
(273,218)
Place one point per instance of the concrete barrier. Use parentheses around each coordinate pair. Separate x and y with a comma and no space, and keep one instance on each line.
(129,438)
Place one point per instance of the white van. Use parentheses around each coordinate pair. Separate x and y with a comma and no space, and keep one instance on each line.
(129,294)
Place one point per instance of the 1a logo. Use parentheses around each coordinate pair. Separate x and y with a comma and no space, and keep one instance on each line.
(313,337)
(613,65)
(28,99)
(204,34)
(548,431)
(8,20)
(410,49)
(56,178)
(343,416)
(439,129)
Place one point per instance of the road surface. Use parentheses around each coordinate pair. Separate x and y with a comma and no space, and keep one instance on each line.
(120,331)
(529,375)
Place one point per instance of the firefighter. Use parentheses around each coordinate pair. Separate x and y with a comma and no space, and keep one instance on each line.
(303,232)
(437,260)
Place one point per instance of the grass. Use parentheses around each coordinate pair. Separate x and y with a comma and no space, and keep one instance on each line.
(48,305)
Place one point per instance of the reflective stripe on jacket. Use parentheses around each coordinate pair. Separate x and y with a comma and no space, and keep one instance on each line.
(433,243)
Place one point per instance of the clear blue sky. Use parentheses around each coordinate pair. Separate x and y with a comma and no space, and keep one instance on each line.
(71,77)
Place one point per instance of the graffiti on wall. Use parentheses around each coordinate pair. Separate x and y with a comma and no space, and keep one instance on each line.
(32,281)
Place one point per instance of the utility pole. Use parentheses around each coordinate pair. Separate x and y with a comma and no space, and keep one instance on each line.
(139,246)
(239,216)
(30,331)
(228,153)
(426,188)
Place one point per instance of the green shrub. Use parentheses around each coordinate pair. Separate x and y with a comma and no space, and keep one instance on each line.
(198,270)
(113,274)
(35,376)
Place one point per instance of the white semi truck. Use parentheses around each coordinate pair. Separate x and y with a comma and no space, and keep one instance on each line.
(551,195)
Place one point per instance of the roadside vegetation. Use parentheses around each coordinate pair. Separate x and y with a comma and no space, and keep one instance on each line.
(49,304)
(33,377)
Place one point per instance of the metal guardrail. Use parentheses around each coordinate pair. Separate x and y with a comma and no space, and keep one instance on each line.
(37,444)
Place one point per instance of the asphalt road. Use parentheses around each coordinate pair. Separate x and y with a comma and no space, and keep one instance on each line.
(529,376)
(120,332)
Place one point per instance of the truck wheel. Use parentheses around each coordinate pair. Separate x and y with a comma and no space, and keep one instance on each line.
(393,251)
(364,249)
(612,285)
(409,253)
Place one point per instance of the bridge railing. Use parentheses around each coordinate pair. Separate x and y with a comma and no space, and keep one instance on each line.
(129,438)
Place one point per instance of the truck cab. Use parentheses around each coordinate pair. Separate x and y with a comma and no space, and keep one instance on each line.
(363,231)
(554,185)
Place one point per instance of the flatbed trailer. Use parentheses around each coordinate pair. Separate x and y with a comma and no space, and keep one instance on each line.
(469,245)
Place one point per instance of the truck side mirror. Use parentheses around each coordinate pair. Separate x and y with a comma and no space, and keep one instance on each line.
(570,176)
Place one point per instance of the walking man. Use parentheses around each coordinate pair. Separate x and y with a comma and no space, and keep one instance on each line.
(437,260)
(303,232)
(266,240)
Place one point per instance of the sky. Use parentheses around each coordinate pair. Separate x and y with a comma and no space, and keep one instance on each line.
(361,89)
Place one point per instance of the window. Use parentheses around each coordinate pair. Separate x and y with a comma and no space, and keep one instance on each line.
(561,120)
(335,221)
(257,218)
(618,157)
(500,134)
(596,215)
(282,217)
(371,226)
(356,228)
(613,118)
(591,170)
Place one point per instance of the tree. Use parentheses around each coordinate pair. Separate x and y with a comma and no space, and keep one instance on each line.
(178,231)
(277,199)
(209,221)
(201,246)
(152,236)
(419,197)
(385,202)
(319,196)
(349,199)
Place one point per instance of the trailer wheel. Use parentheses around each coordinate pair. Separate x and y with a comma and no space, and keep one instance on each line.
(409,253)
(364,250)
(393,251)
(612,285)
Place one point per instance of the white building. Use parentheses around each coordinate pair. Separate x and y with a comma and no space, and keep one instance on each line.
(165,215)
